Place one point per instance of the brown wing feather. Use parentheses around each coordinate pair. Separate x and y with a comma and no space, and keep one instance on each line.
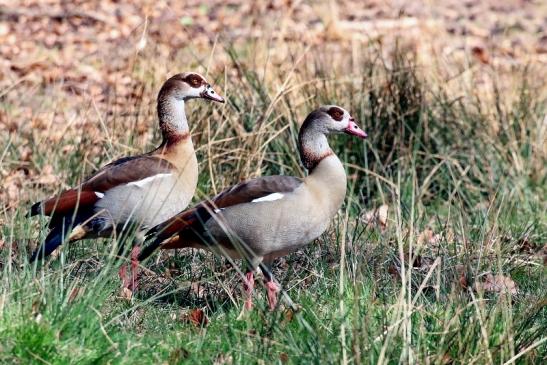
(119,172)
(65,202)
(248,191)
(133,169)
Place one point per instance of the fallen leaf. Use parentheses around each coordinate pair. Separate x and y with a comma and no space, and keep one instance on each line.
(126,293)
(197,317)
(74,293)
(392,270)
(283,357)
(36,307)
(288,315)
(497,284)
(481,54)
(36,310)
(377,217)
(447,359)
(382,216)
(462,280)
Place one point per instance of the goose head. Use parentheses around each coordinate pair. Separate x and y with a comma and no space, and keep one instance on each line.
(335,119)
(189,85)
(326,120)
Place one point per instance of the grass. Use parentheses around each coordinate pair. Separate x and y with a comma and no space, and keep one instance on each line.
(442,154)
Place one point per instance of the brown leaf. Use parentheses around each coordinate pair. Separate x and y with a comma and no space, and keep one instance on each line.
(74,293)
(377,217)
(447,359)
(481,54)
(288,315)
(382,216)
(36,307)
(462,280)
(392,270)
(197,317)
(284,357)
(126,293)
(37,310)
(497,284)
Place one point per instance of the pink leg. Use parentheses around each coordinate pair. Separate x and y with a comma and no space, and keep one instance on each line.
(134,268)
(248,285)
(272,289)
(131,283)
(123,276)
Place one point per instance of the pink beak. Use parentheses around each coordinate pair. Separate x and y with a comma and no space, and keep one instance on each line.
(210,94)
(354,129)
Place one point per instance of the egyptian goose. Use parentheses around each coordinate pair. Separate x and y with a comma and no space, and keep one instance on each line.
(135,192)
(268,217)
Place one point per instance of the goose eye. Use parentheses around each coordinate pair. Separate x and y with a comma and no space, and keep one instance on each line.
(336,113)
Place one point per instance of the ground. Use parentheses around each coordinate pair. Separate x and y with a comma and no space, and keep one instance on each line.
(438,254)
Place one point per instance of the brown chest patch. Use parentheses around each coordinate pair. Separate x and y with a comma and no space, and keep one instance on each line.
(171,140)
(311,160)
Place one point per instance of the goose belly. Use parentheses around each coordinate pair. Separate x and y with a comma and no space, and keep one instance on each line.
(146,203)
(268,231)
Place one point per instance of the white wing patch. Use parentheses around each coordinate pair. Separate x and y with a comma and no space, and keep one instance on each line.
(268,198)
(99,195)
(143,182)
